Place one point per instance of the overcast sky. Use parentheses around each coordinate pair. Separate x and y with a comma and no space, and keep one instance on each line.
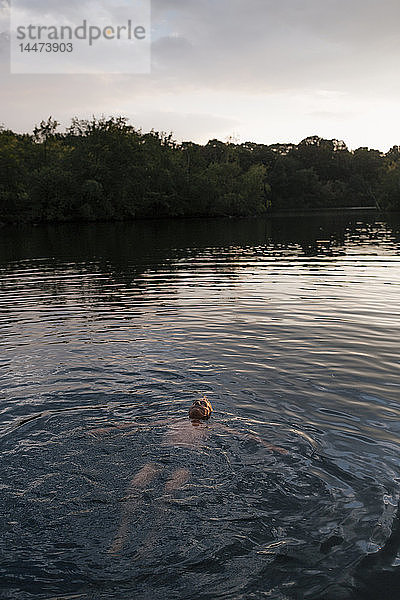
(259,70)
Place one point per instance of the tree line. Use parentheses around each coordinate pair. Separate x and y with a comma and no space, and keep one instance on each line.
(105,169)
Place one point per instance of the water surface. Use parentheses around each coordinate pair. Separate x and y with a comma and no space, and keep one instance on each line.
(290,326)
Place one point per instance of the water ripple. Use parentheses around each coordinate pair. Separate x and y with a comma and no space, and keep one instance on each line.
(293,337)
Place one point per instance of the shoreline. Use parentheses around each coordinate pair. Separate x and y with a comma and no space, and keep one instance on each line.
(268,214)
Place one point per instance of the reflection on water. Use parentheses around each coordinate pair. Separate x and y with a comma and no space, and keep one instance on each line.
(289,325)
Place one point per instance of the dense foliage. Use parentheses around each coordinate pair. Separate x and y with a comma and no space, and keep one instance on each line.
(104,169)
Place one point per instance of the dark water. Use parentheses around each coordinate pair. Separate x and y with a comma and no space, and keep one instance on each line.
(290,326)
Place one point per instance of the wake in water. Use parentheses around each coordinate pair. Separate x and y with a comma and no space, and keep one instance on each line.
(290,326)
(188,435)
(176,507)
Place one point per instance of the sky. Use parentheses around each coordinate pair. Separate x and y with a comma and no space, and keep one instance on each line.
(253,70)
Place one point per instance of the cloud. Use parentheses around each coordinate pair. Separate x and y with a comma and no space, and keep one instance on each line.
(328,115)
(268,69)
(56,8)
(264,45)
(187,126)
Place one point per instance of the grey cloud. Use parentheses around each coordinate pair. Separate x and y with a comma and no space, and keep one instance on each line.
(242,49)
(54,7)
(178,51)
(75,10)
(4,44)
(264,44)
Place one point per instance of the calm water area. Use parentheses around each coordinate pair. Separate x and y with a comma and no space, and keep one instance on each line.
(289,325)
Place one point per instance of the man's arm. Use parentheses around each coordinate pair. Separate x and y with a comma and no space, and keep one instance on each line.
(102,430)
(134,426)
(254,436)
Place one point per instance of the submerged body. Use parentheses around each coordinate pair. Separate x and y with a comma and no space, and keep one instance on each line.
(185,434)
(189,433)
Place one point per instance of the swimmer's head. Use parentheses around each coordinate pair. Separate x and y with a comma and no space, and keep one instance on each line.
(200,409)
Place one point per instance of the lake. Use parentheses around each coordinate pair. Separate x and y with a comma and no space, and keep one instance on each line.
(289,325)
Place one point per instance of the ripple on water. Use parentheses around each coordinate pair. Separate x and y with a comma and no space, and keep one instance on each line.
(294,340)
